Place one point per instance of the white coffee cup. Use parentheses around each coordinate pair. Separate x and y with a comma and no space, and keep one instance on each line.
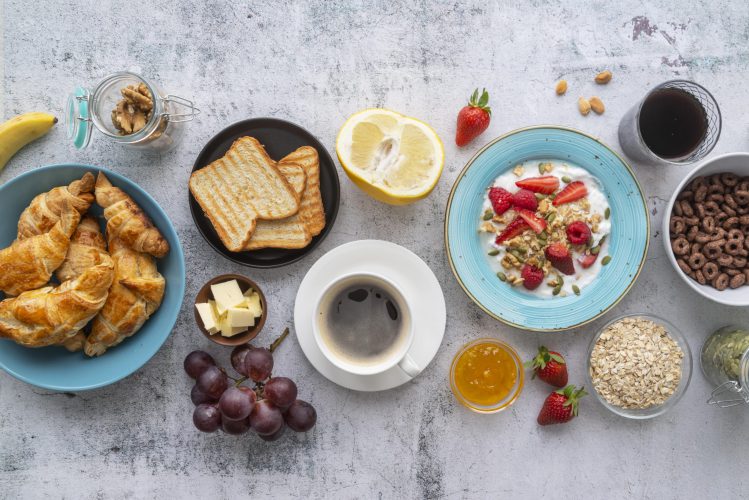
(400,357)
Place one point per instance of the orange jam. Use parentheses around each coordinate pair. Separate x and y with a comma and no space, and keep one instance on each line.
(485,373)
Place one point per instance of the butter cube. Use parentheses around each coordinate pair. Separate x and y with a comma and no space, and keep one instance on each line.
(229,331)
(240,317)
(208,316)
(252,303)
(226,295)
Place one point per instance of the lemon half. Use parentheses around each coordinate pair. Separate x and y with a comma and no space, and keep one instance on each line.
(391,157)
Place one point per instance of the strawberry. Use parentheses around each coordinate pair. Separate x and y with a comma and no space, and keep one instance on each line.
(560,406)
(588,260)
(544,185)
(571,192)
(514,228)
(550,367)
(578,233)
(501,200)
(534,221)
(525,199)
(559,256)
(532,276)
(474,118)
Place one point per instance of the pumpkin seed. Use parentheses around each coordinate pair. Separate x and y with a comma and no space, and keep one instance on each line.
(595,250)
(550,218)
(576,289)
(540,196)
(606,260)
(541,168)
(566,179)
(488,215)
(493,252)
(607,213)
(557,289)
(502,276)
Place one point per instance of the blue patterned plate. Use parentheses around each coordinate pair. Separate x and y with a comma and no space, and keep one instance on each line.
(53,367)
(627,242)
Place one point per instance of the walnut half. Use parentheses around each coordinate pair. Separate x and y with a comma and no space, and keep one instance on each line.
(134,109)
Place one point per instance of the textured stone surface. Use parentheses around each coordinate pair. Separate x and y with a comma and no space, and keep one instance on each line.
(315,63)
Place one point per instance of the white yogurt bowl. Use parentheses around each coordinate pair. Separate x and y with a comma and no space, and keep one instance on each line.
(737,163)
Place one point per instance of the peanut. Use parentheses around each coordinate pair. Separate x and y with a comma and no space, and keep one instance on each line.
(561,87)
(596,104)
(603,77)
(584,106)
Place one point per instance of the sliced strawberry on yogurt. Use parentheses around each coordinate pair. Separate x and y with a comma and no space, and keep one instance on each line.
(572,192)
(588,260)
(534,221)
(546,184)
(515,228)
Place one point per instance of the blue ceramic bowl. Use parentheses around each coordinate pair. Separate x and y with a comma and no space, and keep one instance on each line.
(55,368)
(628,241)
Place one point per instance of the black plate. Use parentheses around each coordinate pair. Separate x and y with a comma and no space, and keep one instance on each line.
(279,138)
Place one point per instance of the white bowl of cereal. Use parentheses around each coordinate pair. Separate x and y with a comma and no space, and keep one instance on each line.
(706,229)
(639,366)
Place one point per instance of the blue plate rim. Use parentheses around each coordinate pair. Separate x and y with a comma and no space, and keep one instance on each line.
(181,260)
(447,241)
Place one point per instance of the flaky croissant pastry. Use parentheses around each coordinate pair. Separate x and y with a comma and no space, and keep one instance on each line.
(45,209)
(127,221)
(49,315)
(29,263)
(87,249)
(135,295)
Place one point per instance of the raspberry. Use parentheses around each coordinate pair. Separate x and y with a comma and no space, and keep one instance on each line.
(578,233)
(501,200)
(525,199)
(532,276)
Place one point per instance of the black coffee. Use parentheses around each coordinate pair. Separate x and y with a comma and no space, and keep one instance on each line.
(363,325)
(672,123)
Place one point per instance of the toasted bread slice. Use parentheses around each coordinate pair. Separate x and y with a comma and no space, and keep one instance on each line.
(311,206)
(290,232)
(241,187)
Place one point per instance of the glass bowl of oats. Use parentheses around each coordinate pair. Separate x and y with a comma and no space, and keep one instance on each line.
(639,366)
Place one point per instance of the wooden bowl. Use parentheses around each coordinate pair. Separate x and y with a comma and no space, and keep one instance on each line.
(205,294)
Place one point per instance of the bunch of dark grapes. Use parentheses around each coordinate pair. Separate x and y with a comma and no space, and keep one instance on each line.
(225,403)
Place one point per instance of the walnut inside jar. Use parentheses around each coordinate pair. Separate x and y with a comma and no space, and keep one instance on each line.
(134,110)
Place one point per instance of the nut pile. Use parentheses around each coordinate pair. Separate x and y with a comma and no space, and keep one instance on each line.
(134,109)
(635,364)
(709,226)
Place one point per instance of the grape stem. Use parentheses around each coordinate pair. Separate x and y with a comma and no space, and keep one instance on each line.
(280,339)
(273,346)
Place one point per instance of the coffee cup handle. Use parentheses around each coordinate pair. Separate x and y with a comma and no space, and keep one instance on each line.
(408,365)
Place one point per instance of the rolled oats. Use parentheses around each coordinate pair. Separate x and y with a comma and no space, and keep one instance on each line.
(636,364)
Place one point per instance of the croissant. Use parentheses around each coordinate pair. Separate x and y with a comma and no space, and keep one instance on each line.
(45,209)
(87,249)
(28,264)
(49,315)
(135,295)
(126,220)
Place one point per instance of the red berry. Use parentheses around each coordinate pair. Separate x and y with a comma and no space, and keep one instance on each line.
(501,200)
(571,192)
(473,119)
(525,199)
(534,221)
(559,256)
(560,406)
(516,227)
(578,233)
(550,367)
(532,276)
(544,185)
(588,260)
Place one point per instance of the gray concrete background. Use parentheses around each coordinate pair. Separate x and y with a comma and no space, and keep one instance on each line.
(316,63)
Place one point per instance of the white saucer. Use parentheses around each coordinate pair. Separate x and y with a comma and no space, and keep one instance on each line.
(400,265)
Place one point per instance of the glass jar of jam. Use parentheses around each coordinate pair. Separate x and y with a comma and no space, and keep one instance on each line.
(130,110)
(486,375)
(725,363)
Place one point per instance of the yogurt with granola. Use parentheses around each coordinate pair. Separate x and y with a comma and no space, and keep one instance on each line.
(546,225)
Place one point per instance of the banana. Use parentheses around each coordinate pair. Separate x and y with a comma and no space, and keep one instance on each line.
(21,130)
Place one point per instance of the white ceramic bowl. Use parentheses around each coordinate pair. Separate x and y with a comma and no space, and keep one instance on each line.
(737,163)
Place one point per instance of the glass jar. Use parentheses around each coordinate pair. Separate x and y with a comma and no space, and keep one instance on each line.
(160,122)
(725,363)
